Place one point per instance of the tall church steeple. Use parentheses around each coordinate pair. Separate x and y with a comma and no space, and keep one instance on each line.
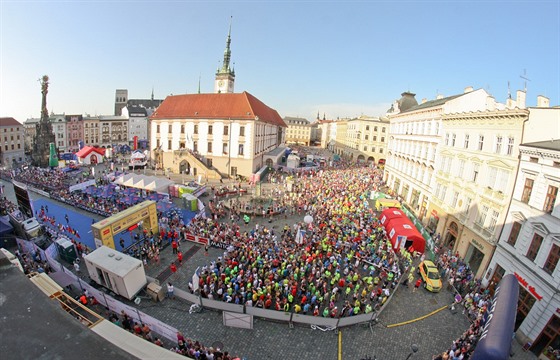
(225,76)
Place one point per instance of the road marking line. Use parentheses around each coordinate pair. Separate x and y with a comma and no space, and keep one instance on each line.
(417,319)
(339,344)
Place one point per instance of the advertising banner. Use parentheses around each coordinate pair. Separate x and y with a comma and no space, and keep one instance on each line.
(53,156)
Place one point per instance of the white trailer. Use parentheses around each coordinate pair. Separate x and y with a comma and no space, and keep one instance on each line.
(118,272)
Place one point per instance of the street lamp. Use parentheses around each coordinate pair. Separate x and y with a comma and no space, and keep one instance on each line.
(414,349)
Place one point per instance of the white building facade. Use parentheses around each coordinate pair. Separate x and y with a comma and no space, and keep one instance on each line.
(215,135)
(529,246)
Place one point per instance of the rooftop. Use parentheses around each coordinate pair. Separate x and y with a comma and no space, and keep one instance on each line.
(553,144)
(235,106)
(9,121)
(33,326)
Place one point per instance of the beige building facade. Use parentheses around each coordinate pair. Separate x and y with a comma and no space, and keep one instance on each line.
(299,131)
(12,149)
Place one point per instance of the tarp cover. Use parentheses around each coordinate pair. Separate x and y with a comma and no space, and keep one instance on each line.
(497,333)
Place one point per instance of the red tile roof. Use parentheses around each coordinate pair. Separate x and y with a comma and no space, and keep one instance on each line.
(9,121)
(235,106)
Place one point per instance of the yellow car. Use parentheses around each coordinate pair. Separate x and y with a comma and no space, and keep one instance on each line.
(430,276)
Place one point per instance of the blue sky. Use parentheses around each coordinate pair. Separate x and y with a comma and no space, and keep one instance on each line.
(341,58)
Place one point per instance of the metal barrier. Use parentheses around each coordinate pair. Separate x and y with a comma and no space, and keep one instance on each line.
(325,322)
(220,305)
(269,314)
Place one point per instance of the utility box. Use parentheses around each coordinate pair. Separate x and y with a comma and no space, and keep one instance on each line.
(118,272)
(155,291)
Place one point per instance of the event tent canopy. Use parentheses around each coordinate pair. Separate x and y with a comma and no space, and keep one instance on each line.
(401,231)
(151,183)
(390,214)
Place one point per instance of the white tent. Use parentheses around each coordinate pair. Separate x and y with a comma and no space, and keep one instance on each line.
(137,155)
(122,179)
(151,183)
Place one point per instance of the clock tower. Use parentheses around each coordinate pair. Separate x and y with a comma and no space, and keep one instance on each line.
(225,76)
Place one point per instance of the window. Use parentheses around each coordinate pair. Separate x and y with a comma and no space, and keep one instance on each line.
(550,199)
(373,149)
(366,137)
(169,144)
(367,127)
(195,129)
(455,198)
(374,138)
(365,148)
(461,168)
(447,139)
(552,259)
(209,163)
(382,129)
(242,131)
(481,219)
(492,173)
(511,141)
(226,130)
(493,220)
(12,146)
(498,144)
(157,129)
(480,142)
(514,234)
(225,148)
(169,129)
(467,205)
(181,145)
(453,138)
(381,150)
(534,159)
(443,192)
(527,189)
(382,139)
(209,146)
(195,146)
(375,128)
(476,170)
(534,247)
(233,171)
(241,148)
(210,128)
(466,144)
(182,128)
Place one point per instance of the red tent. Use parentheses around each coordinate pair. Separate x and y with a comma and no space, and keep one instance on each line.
(390,214)
(403,233)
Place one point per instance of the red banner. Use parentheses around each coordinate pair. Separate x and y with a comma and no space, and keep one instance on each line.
(135,142)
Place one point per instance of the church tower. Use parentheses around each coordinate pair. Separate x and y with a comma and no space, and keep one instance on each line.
(225,76)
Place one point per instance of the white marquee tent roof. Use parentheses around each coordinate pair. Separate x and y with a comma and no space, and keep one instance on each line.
(151,183)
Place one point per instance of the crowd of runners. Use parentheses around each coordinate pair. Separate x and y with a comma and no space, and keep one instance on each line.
(337,262)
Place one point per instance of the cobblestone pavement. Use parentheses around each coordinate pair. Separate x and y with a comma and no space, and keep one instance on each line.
(272,340)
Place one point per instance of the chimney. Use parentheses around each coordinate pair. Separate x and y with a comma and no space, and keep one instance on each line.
(521,99)
(424,100)
(439,96)
(468,89)
(543,101)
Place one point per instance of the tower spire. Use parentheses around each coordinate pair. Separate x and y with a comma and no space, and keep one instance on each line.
(225,76)
(199,83)
(227,51)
